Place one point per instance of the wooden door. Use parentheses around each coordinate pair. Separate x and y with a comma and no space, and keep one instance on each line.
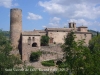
(51,40)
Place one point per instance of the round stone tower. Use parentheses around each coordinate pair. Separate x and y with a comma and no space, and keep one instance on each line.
(15,26)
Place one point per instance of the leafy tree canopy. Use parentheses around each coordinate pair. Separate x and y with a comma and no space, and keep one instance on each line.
(44,40)
(6,59)
(79,60)
(35,56)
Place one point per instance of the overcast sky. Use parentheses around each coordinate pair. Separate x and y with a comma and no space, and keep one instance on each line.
(38,14)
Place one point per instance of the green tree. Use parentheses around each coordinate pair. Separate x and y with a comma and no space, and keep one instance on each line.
(78,56)
(7,61)
(94,46)
(35,56)
(44,40)
(68,48)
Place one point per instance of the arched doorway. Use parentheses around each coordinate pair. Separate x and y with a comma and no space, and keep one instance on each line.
(34,44)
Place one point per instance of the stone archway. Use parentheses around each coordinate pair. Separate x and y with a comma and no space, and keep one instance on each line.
(34,44)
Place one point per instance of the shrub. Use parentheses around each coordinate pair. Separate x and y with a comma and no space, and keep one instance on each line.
(63,65)
(35,56)
(44,40)
(48,63)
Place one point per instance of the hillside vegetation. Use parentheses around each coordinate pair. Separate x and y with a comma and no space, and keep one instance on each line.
(94,33)
(6,33)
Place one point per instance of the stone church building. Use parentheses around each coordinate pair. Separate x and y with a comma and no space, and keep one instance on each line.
(29,41)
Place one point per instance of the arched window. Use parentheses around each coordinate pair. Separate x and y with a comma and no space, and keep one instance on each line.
(34,44)
(29,40)
(33,39)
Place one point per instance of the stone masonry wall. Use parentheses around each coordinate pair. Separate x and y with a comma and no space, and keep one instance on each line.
(15,26)
(58,37)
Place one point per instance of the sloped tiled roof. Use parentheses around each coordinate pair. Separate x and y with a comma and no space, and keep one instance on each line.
(82,26)
(78,32)
(40,31)
(59,29)
(30,33)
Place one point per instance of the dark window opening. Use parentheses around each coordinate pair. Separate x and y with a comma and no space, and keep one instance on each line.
(29,40)
(33,39)
(85,35)
(34,45)
(58,62)
(73,25)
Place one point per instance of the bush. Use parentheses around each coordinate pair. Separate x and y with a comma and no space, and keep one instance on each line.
(44,40)
(48,63)
(35,56)
(62,65)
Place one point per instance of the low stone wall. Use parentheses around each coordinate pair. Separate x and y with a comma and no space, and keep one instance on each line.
(26,51)
(48,53)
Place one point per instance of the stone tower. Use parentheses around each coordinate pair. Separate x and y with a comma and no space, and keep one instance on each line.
(72,25)
(15,26)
